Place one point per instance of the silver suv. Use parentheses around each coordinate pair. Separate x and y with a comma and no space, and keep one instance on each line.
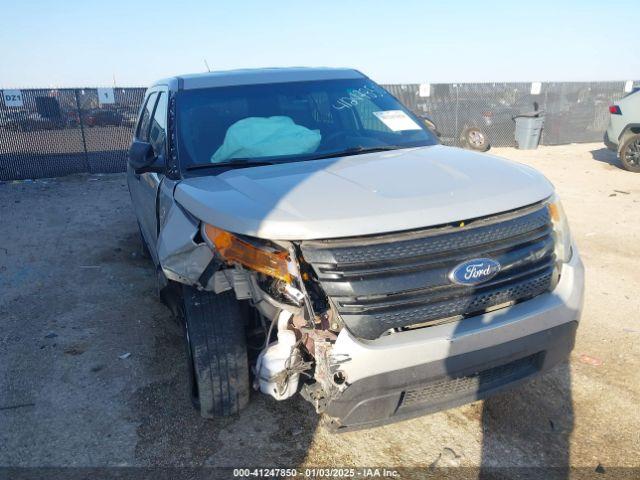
(313,237)
(623,134)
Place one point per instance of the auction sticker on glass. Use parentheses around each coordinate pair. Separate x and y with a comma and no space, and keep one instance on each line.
(397,120)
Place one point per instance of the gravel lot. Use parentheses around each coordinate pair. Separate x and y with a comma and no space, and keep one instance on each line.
(75,297)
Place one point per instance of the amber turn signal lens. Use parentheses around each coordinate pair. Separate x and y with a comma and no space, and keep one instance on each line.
(554,211)
(233,249)
(561,228)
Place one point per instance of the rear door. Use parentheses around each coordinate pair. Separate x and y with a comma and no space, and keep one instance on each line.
(152,128)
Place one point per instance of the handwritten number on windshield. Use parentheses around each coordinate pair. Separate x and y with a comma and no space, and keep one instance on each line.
(355,97)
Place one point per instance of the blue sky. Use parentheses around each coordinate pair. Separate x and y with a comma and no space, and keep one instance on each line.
(86,43)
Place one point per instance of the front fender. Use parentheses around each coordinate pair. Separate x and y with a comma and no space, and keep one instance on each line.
(182,254)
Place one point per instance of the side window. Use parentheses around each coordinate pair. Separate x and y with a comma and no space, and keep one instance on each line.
(158,130)
(142,133)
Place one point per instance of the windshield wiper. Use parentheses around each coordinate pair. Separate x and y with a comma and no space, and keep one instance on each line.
(233,163)
(249,162)
(355,151)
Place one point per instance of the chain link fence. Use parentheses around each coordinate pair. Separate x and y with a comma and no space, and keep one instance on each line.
(574,111)
(49,133)
(55,132)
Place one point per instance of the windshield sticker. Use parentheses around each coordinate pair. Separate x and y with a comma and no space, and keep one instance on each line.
(397,120)
(355,97)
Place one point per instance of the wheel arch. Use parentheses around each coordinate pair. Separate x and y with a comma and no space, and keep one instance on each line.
(628,131)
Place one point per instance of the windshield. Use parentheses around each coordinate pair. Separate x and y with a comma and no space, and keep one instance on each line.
(271,123)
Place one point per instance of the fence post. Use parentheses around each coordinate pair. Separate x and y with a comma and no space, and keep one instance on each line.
(457,140)
(84,141)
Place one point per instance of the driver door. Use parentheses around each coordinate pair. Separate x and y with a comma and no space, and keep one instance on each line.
(144,187)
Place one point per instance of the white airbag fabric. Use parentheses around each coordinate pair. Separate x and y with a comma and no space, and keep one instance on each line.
(255,137)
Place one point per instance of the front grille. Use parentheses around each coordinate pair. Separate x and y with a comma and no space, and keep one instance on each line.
(400,280)
(443,389)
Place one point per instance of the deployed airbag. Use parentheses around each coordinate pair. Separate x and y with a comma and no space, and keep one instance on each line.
(254,137)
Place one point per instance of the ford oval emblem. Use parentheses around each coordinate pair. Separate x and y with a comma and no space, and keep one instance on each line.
(474,271)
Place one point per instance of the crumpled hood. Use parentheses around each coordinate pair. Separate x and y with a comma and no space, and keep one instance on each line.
(362,194)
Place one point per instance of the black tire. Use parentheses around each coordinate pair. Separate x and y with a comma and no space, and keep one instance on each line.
(473,138)
(630,153)
(193,384)
(217,352)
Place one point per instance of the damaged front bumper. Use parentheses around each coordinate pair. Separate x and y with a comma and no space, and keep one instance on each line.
(357,382)
(429,369)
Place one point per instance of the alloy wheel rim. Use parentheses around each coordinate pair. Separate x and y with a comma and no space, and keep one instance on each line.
(632,154)
(476,138)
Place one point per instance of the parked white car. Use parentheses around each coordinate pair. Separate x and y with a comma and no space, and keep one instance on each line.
(623,134)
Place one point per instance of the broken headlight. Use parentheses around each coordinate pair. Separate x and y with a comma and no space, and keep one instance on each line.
(561,232)
(265,258)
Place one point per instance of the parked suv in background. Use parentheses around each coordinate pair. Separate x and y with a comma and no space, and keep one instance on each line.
(471,135)
(623,134)
(312,236)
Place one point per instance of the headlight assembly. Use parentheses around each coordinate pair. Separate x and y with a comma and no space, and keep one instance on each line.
(267,259)
(560,229)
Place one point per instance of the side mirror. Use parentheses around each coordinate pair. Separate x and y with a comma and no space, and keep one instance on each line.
(430,124)
(142,158)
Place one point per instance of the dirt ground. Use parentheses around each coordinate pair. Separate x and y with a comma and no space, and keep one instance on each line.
(92,367)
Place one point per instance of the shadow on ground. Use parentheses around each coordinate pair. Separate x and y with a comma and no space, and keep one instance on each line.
(533,421)
(606,156)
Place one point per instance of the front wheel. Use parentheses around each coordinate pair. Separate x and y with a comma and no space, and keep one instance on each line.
(630,153)
(474,139)
(214,328)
